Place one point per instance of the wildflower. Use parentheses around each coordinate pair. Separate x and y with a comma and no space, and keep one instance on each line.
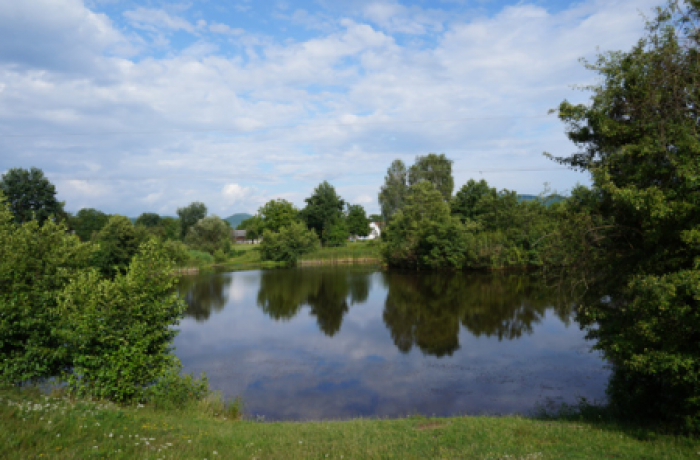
(216,453)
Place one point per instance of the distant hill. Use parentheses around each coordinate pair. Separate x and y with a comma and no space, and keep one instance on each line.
(236,219)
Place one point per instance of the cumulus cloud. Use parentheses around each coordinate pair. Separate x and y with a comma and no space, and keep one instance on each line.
(56,35)
(235,192)
(236,124)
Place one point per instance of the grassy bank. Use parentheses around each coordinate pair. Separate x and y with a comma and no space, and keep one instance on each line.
(353,252)
(36,426)
(247,256)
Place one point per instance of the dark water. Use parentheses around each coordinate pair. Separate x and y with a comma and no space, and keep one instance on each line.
(336,343)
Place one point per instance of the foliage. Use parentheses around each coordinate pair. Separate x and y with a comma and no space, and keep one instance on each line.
(392,195)
(174,390)
(148,219)
(29,195)
(637,229)
(437,170)
(118,242)
(36,263)
(171,227)
(277,214)
(357,221)
(288,244)
(481,228)
(119,332)
(336,232)
(176,251)
(425,216)
(87,222)
(466,203)
(190,215)
(209,234)
(254,227)
(324,210)
(200,257)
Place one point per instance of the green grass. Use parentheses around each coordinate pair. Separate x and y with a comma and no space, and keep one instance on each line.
(36,426)
(358,250)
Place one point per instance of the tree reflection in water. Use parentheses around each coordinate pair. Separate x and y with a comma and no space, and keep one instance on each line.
(426,309)
(329,292)
(204,294)
(421,309)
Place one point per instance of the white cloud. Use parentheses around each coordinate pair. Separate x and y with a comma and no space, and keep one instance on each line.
(225,30)
(235,192)
(56,35)
(154,20)
(264,118)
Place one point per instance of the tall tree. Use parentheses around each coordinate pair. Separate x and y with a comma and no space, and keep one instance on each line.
(190,215)
(277,214)
(637,232)
(357,221)
(148,219)
(87,222)
(436,169)
(29,195)
(466,202)
(392,195)
(324,208)
(210,234)
(118,242)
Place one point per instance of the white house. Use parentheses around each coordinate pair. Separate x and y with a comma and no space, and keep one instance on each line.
(374,232)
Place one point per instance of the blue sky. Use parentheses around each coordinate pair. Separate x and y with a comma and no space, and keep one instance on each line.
(132,106)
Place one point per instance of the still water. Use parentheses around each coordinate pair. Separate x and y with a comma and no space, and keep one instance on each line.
(344,342)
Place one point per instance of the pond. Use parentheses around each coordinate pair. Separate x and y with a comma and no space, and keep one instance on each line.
(343,342)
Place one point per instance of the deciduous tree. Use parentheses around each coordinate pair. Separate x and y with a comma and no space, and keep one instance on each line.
(88,222)
(392,195)
(190,215)
(277,214)
(210,234)
(639,235)
(324,208)
(436,169)
(29,195)
(357,221)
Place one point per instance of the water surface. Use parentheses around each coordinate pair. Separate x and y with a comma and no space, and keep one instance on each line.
(343,342)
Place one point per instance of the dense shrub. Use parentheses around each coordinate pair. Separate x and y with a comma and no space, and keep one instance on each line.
(60,317)
(36,264)
(119,332)
(288,244)
(209,235)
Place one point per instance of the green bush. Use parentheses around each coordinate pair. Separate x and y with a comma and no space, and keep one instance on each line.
(209,234)
(36,264)
(173,390)
(118,241)
(119,332)
(288,244)
(200,257)
(220,256)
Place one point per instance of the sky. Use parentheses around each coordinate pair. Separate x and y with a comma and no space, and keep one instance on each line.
(132,106)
